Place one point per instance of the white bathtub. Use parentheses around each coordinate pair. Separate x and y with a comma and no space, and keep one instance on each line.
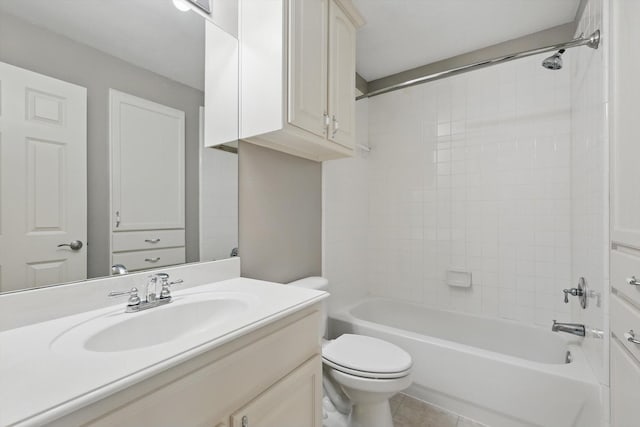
(502,373)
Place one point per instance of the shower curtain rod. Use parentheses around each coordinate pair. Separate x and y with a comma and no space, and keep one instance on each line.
(593,41)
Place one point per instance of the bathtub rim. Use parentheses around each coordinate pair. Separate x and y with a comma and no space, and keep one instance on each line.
(578,369)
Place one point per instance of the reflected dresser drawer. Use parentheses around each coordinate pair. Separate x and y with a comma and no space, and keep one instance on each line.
(148,239)
(142,260)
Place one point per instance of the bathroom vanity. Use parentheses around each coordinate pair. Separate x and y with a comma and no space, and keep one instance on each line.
(236,352)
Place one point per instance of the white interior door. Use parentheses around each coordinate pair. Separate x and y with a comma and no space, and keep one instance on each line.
(43,179)
(147,164)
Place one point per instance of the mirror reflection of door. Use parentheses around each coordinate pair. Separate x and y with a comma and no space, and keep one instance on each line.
(43,190)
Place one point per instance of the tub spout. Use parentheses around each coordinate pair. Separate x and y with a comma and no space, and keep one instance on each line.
(570,328)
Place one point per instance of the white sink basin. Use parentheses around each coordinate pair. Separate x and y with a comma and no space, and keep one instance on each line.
(183,317)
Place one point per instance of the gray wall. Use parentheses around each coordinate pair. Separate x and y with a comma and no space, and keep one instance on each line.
(30,47)
(280,215)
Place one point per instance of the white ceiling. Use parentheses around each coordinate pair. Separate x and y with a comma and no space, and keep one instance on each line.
(399,34)
(151,34)
(404,34)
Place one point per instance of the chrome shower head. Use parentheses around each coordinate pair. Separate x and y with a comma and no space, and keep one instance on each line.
(554,62)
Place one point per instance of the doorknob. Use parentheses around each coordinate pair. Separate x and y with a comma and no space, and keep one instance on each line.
(76,245)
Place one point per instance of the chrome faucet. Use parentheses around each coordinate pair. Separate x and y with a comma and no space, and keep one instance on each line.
(570,328)
(152,287)
(153,298)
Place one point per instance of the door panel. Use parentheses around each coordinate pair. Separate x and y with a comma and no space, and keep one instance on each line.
(43,193)
(294,401)
(147,143)
(625,150)
(308,65)
(342,71)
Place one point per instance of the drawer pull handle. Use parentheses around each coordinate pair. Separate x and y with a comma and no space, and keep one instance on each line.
(156,259)
(631,337)
(633,281)
(156,240)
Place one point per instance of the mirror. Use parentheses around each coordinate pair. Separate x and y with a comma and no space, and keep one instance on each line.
(103,128)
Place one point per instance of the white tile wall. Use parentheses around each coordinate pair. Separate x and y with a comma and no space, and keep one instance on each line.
(473,173)
(502,172)
(590,182)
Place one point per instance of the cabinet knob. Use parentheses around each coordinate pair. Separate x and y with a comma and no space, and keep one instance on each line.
(633,281)
(336,126)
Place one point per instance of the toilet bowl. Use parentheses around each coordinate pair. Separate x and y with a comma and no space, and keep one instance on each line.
(368,370)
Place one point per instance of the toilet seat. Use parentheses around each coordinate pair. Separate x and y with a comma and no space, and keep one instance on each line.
(365,374)
(366,357)
(371,385)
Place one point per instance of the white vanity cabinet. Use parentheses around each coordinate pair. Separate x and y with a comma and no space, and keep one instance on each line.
(147,142)
(271,377)
(297,76)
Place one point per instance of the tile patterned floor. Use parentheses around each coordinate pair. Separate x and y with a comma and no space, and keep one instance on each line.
(410,412)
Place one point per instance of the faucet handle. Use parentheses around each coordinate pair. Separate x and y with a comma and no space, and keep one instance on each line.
(576,292)
(134,299)
(166,292)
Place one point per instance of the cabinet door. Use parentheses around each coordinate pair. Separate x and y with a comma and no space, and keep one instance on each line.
(308,65)
(342,74)
(625,383)
(625,204)
(147,169)
(294,401)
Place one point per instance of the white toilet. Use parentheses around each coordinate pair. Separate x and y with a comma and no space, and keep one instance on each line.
(368,370)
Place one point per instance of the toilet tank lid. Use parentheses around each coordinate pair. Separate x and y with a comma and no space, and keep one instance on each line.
(314,282)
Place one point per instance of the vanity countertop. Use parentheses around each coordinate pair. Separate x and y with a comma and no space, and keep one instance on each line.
(43,375)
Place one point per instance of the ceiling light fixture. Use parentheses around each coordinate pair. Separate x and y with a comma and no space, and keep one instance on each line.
(182,5)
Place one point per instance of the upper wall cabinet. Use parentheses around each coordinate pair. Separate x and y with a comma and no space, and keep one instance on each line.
(297,76)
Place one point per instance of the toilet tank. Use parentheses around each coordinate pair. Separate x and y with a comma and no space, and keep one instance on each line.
(319,284)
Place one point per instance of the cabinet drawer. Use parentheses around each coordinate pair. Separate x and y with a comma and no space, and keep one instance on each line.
(141,260)
(623,267)
(625,317)
(625,383)
(152,239)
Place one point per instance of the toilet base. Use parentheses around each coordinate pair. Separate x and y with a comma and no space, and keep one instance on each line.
(371,415)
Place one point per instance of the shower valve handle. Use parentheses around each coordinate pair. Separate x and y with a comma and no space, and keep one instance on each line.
(573,291)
